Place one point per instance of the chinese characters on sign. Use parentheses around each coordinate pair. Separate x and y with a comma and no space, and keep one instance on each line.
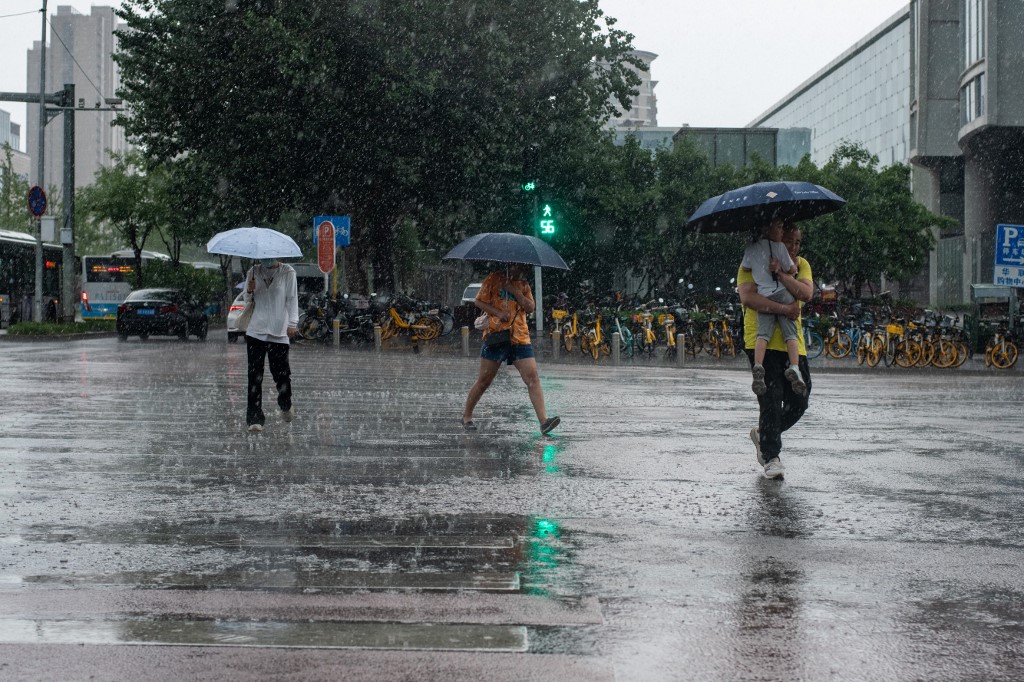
(1009,256)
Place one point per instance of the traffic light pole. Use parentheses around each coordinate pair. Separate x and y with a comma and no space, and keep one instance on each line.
(538,280)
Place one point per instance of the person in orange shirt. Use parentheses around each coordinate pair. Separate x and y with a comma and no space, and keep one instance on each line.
(507,299)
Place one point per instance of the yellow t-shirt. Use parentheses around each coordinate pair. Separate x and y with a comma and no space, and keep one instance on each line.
(491,293)
(750,316)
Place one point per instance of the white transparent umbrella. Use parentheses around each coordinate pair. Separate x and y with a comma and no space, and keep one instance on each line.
(254,242)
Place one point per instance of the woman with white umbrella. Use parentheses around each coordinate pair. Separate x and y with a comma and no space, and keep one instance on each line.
(272,288)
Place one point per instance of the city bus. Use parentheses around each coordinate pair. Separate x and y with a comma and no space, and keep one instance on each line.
(107,281)
(18,277)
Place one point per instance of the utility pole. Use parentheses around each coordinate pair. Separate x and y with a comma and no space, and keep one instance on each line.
(37,299)
(67,238)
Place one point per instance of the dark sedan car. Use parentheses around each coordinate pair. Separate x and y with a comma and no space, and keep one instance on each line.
(161,312)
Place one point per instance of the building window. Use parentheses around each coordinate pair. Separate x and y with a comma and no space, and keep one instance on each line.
(972,100)
(974,32)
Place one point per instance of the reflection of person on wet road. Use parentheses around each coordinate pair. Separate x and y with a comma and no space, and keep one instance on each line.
(507,299)
(780,406)
(272,285)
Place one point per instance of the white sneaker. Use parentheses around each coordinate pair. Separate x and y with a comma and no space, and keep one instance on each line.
(796,381)
(774,468)
(288,414)
(255,428)
(755,436)
(758,386)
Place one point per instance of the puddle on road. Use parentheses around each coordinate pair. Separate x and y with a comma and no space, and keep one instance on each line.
(400,636)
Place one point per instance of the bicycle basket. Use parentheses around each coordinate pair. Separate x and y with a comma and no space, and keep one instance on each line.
(559,314)
(894,329)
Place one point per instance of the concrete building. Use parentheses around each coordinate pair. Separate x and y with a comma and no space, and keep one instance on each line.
(967,132)
(861,96)
(644,110)
(738,146)
(80,51)
(10,134)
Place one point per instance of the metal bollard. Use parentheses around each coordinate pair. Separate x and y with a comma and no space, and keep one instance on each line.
(556,344)
(680,349)
(465,342)
(376,337)
(615,347)
(337,332)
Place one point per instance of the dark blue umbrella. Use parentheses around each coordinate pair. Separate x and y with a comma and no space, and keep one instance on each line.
(508,247)
(748,207)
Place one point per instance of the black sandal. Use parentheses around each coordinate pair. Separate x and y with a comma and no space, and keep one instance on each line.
(469,425)
(549,425)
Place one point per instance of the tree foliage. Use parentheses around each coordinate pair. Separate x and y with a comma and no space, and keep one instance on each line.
(14,213)
(125,200)
(386,110)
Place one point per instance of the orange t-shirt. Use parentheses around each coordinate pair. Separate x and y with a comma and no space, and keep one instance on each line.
(492,294)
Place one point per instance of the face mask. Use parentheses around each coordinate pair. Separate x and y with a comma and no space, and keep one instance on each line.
(268,262)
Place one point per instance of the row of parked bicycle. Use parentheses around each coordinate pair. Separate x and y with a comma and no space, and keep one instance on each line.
(358,315)
(873,337)
(645,327)
(931,340)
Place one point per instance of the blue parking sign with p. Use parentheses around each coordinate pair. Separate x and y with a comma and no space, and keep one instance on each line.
(342,228)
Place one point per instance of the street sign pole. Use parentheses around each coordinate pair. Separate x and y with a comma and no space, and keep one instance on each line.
(37,302)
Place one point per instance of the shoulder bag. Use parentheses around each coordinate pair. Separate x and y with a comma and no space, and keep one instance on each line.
(242,323)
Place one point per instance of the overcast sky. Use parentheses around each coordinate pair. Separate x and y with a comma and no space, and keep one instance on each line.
(720,62)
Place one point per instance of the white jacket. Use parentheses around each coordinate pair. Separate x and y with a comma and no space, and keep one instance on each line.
(277,307)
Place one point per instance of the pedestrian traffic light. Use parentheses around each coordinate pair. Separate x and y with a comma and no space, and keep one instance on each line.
(546,226)
(531,161)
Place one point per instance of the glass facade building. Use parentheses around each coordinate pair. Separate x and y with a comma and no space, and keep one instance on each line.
(863,96)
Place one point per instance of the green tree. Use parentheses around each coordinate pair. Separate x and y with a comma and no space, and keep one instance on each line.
(123,198)
(880,232)
(384,110)
(14,213)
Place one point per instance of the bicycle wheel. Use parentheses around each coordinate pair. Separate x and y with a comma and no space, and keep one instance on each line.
(813,344)
(429,328)
(889,352)
(567,341)
(388,330)
(863,349)
(908,353)
(710,344)
(692,345)
(928,351)
(963,351)
(594,346)
(1004,356)
(728,347)
(945,354)
(840,345)
(875,351)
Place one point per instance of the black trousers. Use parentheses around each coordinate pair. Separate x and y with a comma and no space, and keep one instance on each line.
(780,406)
(277,353)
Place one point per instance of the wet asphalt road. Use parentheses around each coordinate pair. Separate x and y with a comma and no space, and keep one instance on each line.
(373,539)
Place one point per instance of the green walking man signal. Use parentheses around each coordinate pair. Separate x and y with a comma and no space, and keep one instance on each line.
(547,220)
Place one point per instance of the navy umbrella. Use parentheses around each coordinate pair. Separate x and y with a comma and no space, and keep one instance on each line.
(745,208)
(508,247)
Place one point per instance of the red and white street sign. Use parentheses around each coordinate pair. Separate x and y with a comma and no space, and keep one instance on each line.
(325,246)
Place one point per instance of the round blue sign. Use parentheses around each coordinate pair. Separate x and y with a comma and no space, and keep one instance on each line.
(37,201)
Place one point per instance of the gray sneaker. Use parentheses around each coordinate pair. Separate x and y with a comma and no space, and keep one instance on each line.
(796,381)
(255,428)
(774,468)
(288,414)
(758,386)
(755,436)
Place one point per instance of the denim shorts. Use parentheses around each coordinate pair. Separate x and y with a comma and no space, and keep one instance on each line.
(508,354)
